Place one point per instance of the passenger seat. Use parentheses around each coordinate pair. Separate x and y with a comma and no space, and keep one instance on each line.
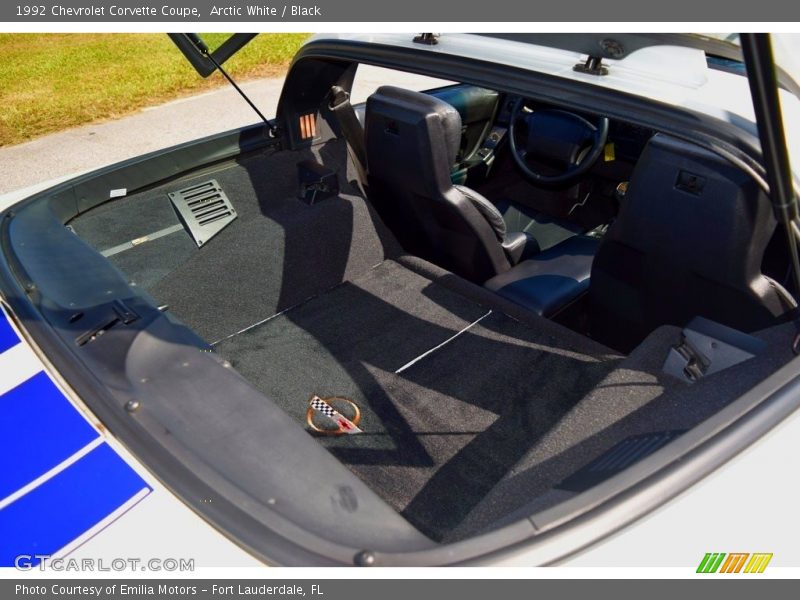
(552,280)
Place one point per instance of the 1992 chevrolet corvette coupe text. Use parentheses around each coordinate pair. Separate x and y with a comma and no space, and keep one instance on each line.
(492,322)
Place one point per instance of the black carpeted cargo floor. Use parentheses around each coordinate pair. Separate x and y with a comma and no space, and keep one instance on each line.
(277,253)
(442,432)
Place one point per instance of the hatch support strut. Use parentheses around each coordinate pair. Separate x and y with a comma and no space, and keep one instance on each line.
(758,59)
(203,48)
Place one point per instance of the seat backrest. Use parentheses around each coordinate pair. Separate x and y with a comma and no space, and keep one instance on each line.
(689,241)
(412,140)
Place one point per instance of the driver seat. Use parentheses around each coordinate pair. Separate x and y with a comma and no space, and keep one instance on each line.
(412,140)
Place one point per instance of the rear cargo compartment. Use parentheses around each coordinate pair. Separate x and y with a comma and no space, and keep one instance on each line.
(471,409)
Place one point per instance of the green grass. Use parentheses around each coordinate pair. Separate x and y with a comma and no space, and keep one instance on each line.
(50,82)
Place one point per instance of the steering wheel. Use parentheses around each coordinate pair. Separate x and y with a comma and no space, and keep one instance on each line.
(555,137)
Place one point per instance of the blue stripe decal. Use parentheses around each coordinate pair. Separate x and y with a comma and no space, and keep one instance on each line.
(8,337)
(52,515)
(39,429)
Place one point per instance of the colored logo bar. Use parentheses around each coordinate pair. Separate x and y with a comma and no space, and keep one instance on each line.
(734,562)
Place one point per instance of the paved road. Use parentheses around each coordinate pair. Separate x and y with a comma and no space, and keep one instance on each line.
(93,146)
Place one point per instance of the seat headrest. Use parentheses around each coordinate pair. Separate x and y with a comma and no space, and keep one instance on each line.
(397,107)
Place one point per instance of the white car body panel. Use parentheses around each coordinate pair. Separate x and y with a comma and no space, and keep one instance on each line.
(152,524)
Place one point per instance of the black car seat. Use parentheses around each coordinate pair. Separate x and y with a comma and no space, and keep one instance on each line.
(412,140)
(689,241)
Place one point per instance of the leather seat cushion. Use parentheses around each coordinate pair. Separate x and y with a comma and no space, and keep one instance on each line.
(551,280)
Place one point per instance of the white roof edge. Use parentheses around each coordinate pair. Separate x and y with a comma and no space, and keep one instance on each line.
(674,75)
